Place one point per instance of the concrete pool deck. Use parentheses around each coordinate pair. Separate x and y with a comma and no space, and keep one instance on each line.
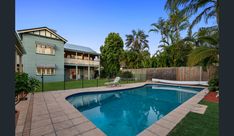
(50,114)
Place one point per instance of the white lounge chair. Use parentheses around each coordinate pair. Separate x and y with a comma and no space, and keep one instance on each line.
(114,83)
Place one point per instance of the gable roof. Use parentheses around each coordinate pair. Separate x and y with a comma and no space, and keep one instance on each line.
(42,28)
(79,48)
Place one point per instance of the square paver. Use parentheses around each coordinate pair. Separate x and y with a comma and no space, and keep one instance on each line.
(166,123)
(74,115)
(93,132)
(77,121)
(158,130)
(63,125)
(40,123)
(84,127)
(40,117)
(50,134)
(42,130)
(200,109)
(68,132)
(57,114)
(59,119)
(146,133)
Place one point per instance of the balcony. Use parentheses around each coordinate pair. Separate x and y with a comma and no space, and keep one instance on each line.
(82,62)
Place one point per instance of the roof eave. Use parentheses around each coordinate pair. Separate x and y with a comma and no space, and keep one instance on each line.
(66,49)
(39,28)
(18,40)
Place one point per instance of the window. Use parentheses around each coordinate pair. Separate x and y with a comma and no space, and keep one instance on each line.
(43,49)
(46,71)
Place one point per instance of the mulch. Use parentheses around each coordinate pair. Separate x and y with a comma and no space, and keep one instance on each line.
(211,97)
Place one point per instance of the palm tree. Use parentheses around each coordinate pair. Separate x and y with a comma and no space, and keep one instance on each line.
(205,8)
(206,50)
(160,27)
(137,41)
(178,22)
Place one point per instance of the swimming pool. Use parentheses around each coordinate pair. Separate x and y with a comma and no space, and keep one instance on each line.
(128,112)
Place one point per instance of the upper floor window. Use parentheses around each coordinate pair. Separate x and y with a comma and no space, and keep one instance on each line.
(45,49)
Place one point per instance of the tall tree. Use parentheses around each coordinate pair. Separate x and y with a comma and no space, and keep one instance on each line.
(204,8)
(137,41)
(173,51)
(178,22)
(110,54)
(137,54)
(160,27)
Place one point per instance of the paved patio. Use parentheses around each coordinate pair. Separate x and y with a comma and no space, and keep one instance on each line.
(49,114)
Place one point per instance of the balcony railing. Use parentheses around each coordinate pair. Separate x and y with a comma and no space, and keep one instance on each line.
(81,62)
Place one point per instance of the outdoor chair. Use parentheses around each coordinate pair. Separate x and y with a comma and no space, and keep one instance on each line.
(113,83)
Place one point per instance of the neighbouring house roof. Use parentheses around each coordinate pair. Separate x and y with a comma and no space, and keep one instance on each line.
(78,48)
(53,32)
(19,45)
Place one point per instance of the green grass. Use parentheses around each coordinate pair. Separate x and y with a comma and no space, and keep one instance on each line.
(52,86)
(199,125)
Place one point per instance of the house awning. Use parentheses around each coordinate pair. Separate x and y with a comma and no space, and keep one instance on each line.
(46,65)
(46,44)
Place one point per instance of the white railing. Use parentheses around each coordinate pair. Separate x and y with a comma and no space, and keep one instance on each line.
(81,62)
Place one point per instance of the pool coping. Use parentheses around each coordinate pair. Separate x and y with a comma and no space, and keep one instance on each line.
(163,126)
(54,106)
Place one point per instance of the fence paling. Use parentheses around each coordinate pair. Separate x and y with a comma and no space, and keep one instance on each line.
(174,73)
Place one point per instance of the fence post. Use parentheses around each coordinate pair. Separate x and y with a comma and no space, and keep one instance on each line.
(42,82)
(200,73)
(97,81)
(82,82)
(64,80)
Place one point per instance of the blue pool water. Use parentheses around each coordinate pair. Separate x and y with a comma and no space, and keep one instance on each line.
(128,112)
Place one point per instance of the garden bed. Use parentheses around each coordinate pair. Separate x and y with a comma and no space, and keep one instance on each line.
(211,97)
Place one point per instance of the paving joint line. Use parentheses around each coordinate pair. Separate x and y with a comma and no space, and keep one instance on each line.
(49,114)
(28,119)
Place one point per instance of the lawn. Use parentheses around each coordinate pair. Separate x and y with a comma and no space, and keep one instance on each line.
(51,86)
(199,125)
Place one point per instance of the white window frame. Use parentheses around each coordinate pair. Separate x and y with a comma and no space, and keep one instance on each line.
(46,71)
(45,50)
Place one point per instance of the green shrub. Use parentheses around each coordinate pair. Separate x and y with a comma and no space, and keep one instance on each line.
(103,74)
(126,74)
(25,84)
(34,84)
(214,84)
(21,83)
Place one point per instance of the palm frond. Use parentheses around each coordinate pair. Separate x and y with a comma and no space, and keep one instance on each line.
(200,54)
(199,17)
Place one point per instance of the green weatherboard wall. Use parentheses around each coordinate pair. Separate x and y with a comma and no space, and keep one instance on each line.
(31,58)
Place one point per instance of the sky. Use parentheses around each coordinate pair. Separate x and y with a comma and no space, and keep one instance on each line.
(88,22)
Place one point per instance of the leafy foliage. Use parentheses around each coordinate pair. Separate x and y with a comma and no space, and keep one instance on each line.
(206,47)
(24,83)
(137,54)
(110,54)
(34,84)
(137,41)
(214,84)
(174,51)
(126,74)
(203,8)
(21,83)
